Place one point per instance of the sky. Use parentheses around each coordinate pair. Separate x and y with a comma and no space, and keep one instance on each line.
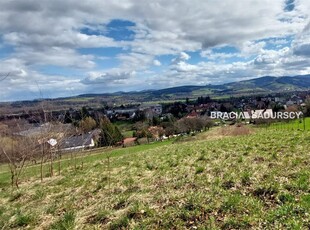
(65,48)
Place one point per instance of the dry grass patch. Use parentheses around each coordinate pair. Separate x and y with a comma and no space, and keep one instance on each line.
(236,130)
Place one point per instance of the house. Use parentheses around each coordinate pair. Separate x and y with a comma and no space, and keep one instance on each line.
(279,99)
(192,114)
(151,110)
(81,141)
(296,99)
(289,103)
(267,113)
(122,112)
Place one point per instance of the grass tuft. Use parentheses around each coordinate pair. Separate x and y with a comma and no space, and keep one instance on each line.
(66,222)
(199,170)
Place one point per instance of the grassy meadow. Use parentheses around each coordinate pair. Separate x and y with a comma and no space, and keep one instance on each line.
(214,180)
(298,124)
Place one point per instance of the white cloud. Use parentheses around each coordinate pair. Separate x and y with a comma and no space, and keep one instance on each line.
(56,56)
(44,33)
(109,78)
(179,64)
(156,63)
(69,39)
(135,61)
(271,56)
(180,58)
(250,48)
(23,83)
(208,53)
(301,45)
(184,67)
(14,67)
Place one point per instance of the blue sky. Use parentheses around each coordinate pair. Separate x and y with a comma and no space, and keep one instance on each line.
(66,48)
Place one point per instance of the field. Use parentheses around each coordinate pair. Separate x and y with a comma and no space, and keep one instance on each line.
(212,181)
(125,127)
(292,124)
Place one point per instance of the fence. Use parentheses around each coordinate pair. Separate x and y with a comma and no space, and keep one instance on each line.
(298,124)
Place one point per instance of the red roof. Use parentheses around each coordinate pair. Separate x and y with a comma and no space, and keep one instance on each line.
(129,140)
(192,114)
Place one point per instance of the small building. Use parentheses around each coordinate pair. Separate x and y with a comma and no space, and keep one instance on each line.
(289,103)
(192,114)
(279,99)
(151,109)
(261,113)
(82,141)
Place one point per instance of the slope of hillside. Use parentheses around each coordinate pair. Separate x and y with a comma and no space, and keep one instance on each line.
(259,181)
(270,84)
(260,85)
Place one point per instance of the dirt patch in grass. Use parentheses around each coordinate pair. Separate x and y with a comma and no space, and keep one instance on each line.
(236,130)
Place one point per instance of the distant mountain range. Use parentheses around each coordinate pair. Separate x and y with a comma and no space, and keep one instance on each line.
(262,85)
(271,84)
(257,86)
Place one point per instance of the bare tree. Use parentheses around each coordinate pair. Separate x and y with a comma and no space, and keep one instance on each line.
(87,124)
(24,145)
(4,77)
(157,132)
(17,151)
(187,125)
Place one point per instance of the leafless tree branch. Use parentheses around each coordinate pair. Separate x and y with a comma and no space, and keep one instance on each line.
(4,77)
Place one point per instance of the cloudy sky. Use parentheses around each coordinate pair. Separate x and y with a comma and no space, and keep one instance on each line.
(67,47)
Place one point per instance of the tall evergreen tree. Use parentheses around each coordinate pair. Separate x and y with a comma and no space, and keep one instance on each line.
(110,134)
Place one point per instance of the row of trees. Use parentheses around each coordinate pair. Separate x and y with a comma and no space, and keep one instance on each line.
(109,133)
(157,129)
(147,128)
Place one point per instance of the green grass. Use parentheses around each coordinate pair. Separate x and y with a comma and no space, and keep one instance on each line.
(79,99)
(127,134)
(298,124)
(68,162)
(258,181)
(125,127)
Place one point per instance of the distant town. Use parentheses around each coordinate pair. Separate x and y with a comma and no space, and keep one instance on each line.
(40,111)
(135,123)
